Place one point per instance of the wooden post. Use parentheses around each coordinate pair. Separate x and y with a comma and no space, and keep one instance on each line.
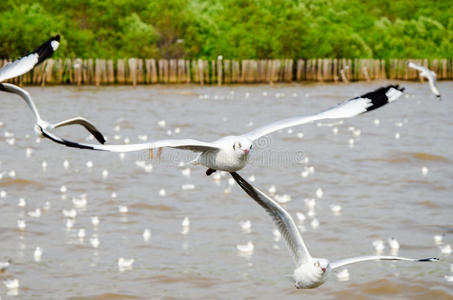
(201,73)
(227,71)
(188,77)
(206,79)
(243,71)
(219,70)
(98,72)
(132,62)
(59,68)
(181,71)
(213,72)
(365,73)
(120,71)
(235,72)
(173,71)
(110,72)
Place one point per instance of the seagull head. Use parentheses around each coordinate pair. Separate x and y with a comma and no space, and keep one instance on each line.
(242,146)
(322,265)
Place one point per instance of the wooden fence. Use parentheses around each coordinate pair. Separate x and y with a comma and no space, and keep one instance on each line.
(151,71)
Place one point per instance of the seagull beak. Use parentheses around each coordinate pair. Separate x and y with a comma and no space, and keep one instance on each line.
(323,270)
(246,151)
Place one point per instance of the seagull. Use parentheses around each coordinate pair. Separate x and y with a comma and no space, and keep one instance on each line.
(4,265)
(26,63)
(311,272)
(44,125)
(231,153)
(427,73)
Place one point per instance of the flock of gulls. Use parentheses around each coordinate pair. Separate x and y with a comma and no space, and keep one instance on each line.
(227,154)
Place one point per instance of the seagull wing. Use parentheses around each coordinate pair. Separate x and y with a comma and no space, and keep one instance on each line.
(11,88)
(433,84)
(347,109)
(26,63)
(186,144)
(282,219)
(347,261)
(417,67)
(85,123)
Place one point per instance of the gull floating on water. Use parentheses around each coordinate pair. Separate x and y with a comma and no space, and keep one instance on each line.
(231,153)
(185,225)
(37,255)
(146,235)
(246,249)
(445,249)
(11,283)
(427,73)
(246,226)
(311,272)
(4,265)
(438,239)
(125,264)
(343,275)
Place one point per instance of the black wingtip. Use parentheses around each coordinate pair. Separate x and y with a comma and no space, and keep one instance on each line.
(46,50)
(2,88)
(99,137)
(380,96)
(429,259)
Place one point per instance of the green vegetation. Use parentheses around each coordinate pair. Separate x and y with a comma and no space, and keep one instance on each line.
(235,29)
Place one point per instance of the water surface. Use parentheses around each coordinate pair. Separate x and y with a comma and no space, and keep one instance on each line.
(378,182)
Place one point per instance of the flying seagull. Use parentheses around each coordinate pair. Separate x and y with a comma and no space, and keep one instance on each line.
(44,125)
(231,153)
(311,272)
(26,63)
(427,73)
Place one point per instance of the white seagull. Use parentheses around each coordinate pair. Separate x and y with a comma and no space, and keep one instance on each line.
(427,73)
(311,272)
(231,153)
(26,63)
(4,265)
(44,125)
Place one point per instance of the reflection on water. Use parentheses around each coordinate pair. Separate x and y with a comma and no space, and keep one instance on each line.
(373,188)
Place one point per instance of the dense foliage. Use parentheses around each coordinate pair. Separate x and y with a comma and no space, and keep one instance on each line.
(235,29)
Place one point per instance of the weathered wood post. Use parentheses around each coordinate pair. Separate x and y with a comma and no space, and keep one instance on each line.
(219,70)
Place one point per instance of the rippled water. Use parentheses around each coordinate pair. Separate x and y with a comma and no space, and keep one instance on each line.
(378,182)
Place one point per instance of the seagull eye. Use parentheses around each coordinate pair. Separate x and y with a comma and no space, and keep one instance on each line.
(240,146)
(234,146)
(251,147)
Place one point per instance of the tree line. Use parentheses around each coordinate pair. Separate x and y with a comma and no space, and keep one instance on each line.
(233,29)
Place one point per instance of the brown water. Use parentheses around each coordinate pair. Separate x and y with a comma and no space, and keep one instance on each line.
(378,183)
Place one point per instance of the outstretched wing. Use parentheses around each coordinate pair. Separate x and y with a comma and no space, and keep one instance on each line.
(186,144)
(11,88)
(26,63)
(347,109)
(85,123)
(352,260)
(433,85)
(417,67)
(281,217)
